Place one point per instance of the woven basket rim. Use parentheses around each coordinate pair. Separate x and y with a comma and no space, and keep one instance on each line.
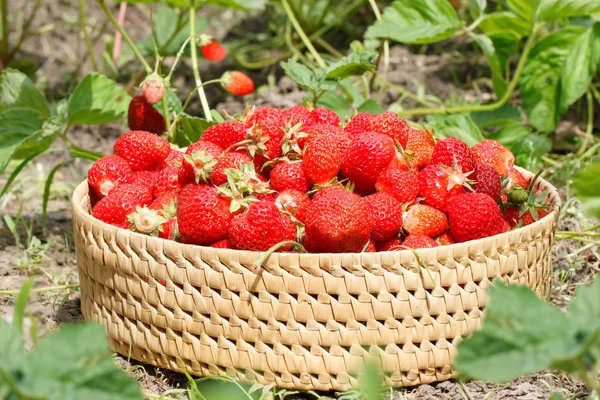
(81,192)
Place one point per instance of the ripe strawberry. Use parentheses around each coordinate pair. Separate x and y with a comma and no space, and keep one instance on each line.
(370,247)
(141,116)
(390,125)
(222,244)
(264,134)
(213,50)
(425,220)
(439,184)
(495,155)
(474,216)
(287,175)
(145,178)
(516,178)
(446,239)
(323,157)
(142,150)
(386,212)
(198,163)
(174,159)
(261,227)
(166,207)
(294,202)
(169,230)
(225,134)
(167,182)
(487,181)
(142,194)
(299,114)
(255,115)
(392,244)
(338,222)
(368,155)
(237,82)
(325,116)
(452,150)
(516,221)
(358,124)
(232,160)
(419,148)
(108,172)
(312,131)
(115,209)
(419,242)
(335,189)
(153,88)
(403,185)
(203,216)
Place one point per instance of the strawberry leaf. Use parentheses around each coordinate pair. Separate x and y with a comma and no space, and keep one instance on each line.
(17,90)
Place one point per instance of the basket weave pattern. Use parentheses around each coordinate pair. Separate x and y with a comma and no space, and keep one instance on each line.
(302,321)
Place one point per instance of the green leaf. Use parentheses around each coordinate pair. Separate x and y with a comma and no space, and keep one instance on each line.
(504,22)
(579,68)
(17,90)
(587,188)
(584,310)
(97,100)
(550,10)
(336,102)
(497,69)
(529,150)
(174,104)
(460,126)
(11,348)
(521,334)
(505,45)
(508,114)
(39,140)
(511,134)
(300,73)
(355,64)
(541,74)
(192,129)
(477,7)
(20,304)
(524,8)
(371,106)
(16,124)
(416,21)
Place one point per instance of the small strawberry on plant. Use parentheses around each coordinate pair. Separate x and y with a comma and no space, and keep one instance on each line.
(211,48)
(153,88)
(237,83)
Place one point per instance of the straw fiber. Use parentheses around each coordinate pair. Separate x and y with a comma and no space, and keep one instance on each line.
(302,321)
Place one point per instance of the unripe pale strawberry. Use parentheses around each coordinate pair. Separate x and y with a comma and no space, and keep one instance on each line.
(153,88)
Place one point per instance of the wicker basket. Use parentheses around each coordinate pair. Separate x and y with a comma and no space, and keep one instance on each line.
(303,321)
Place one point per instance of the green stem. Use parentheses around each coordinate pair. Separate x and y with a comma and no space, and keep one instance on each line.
(5,28)
(73,146)
(119,28)
(195,69)
(41,290)
(403,91)
(484,107)
(178,57)
(265,256)
(590,124)
(172,129)
(328,47)
(386,52)
(189,98)
(302,35)
(86,36)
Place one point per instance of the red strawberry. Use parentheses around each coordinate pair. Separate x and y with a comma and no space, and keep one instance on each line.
(169,230)
(108,172)
(495,155)
(167,182)
(474,216)
(516,221)
(115,209)
(312,131)
(227,161)
(325,116)
(166,207)
(203,216)
(452,150)
(261,227)
(516,178)
(440,184)
(255,115)
(287,175)
(225,134)
(198,163)
(222,244)
(392,244)
(390,125)
(403,185)
(141,194)
(331,190)
(237,82)
(338,222)
(368,155)
(145,178)
(142,116)
(419,242)
(371,247)
(419,148)
(358,124)
(294,202)
(323,157)
(299,114)
(488,181)
(264,134)
(213,50)
(425,220)
(142,150)
(446,239)
(387,216)
(153,88)
(174,159)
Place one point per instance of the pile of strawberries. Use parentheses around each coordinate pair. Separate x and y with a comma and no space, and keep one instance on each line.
(300,178)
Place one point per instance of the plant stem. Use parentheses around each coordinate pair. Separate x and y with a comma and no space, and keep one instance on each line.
(301,33)
(386,52)
(41,290)
(403,91)
(132,45)
(195,69)
(189,98)
(5,29)
(177,58)
(328,47)
(483,107)
(118,36)
(590,124)
(86,36)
